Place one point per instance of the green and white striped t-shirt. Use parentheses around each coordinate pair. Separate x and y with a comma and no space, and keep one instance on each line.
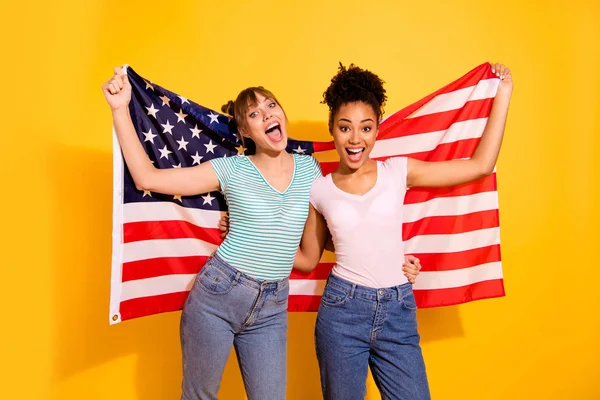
(265,225)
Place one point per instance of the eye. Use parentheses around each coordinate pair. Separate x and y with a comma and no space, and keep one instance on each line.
(367,129)
(344,129)
(273,104)
(253,114)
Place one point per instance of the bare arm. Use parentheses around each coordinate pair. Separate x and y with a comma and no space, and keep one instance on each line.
(181,181)
(450,173)
(313,241)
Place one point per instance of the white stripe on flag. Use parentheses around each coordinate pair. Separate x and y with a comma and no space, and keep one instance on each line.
(456,205)
(426,280)
(452,243)
(485,89)
(167,211)
(146,249)
(458,277)
(422,142)
(156,286)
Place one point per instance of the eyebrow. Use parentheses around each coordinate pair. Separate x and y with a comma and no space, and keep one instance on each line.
(347,120)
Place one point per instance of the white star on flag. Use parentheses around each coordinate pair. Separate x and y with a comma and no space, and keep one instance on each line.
(184,100)
(165,101)
(181,116)
(196,132)
(151,110)
(167,127)
(182,144)
(177,166)
(207,199)
(210,147)
(300,150)
(149,136)
(197,158)
(213,118)
(164,152)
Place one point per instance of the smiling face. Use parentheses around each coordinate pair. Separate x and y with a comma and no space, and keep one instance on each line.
(354,129)
(265,123)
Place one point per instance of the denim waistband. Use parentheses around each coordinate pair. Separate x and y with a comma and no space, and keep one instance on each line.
(239,277)
(357,291)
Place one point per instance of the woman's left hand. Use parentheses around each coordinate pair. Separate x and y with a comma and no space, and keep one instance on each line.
(411,268)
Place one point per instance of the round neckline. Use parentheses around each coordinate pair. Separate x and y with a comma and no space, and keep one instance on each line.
(358,195)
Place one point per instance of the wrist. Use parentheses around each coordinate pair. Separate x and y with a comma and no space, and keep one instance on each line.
(120,112)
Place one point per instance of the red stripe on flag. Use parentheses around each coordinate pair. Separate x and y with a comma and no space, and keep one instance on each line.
(323,146)
(448,297)
(460,259)
(425,298)
(177,229)
(419,195)
(447,224)
(299,303)
(436,122)
(446,151)
(443,152)
(142,306)
(321,272)
(472,78)
(152,267)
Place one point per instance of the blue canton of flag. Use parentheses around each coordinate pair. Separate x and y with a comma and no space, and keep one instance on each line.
(178,133)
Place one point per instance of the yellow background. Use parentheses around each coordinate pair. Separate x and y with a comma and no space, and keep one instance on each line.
(539,342)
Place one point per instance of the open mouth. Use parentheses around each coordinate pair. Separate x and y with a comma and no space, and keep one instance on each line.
(273,132)
(355,154)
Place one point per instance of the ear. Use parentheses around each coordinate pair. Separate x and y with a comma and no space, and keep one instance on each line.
(242,132)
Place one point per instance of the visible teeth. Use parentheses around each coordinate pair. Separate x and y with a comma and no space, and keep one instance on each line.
(355,151)
(273,125)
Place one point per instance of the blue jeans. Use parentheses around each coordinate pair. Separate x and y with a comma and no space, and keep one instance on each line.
(227,307)
(360,327)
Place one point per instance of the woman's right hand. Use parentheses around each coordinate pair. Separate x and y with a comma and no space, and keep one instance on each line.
(117,90)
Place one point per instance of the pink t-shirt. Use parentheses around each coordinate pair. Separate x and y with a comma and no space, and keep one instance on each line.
(367,229)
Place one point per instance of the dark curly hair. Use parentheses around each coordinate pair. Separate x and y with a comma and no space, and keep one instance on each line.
(354,84)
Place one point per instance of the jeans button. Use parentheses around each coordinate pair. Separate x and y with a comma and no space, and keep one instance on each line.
(381,292)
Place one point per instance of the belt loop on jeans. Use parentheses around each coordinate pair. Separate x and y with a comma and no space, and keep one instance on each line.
(352,290)
(237,277)
(399,291)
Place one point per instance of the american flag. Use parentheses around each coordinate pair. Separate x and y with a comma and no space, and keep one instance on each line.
(160,242)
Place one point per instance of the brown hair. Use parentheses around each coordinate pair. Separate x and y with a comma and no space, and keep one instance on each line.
(246,99)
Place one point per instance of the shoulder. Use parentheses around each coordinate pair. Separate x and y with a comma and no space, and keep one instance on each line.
(305,160)
(395,164)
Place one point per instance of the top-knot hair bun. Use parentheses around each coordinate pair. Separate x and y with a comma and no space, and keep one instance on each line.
(229,108)
(354,84)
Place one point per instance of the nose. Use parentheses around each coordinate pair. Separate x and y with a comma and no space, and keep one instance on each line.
(267,114)
(354,137)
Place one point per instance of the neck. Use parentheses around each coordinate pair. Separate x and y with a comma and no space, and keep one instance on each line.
(366,168)
(272,158)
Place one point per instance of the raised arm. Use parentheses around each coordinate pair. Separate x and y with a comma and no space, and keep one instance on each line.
(313,241)
(176,181)
(450,173)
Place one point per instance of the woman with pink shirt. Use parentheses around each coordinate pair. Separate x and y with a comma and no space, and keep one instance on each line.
(367,315)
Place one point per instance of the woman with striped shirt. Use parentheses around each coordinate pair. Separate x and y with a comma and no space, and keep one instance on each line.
(240,296)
